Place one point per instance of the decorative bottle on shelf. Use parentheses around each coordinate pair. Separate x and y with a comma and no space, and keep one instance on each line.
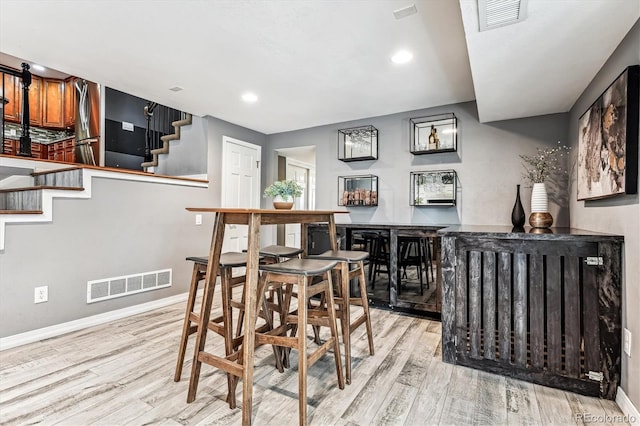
(517,214)
(433,138)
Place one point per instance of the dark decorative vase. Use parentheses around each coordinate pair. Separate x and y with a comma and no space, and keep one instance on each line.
(517,214)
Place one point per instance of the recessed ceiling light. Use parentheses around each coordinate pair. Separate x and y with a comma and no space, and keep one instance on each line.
(402,57)
(38,67)
(176,89)
(250,97)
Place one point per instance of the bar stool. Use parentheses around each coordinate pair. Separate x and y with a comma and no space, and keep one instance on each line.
(379,258)
(351,265)
(300,273)
(221,324)
(411,252)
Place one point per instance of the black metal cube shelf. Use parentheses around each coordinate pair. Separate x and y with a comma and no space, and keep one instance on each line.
(433,188)
(358,191)
(358,144)
(434,134)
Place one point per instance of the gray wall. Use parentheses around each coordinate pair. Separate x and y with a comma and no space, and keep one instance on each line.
(125,228)
(487,164)
(188,155)
(618,215)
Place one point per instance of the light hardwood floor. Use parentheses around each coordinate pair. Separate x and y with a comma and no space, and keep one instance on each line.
(122,373)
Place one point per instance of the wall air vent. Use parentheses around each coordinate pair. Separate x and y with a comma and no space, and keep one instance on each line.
(498,13)
(403,12)
(110,288)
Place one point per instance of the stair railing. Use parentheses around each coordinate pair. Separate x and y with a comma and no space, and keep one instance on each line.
(25,77)
(160,120)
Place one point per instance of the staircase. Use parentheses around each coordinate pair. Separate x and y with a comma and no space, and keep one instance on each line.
(34,203)
(155,144)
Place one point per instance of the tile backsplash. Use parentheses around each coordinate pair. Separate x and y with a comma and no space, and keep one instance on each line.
(38,134)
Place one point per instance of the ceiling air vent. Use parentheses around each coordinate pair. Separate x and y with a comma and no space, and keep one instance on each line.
(498,13)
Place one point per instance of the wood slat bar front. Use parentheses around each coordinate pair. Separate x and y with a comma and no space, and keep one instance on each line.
(556,300)
(242,368)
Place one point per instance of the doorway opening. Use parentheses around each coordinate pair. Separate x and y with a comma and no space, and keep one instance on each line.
(298,164)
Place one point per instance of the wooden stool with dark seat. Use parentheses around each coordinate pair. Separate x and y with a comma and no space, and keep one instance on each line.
(413,251)
(379,257)
(299,273)
(350,266)
(222,324)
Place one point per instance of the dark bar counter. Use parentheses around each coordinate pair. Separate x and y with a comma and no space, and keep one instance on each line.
(538,305)
(393,231)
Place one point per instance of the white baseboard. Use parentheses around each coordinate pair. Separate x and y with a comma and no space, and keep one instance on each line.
(628,409)
(67,327)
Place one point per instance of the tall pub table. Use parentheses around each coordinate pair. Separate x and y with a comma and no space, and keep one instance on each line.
(254,218)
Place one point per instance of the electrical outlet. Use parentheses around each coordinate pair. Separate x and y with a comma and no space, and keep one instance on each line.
(198,219)
(626,342)
(41,294)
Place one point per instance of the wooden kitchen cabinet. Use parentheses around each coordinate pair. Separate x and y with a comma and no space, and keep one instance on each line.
(69,151)
(62,151)
(70,103)
(53,103)
(11,146)
(38,150)
(12,87)
(35,101)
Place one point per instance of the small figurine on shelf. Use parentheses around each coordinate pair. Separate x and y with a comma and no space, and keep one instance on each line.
(367,197)
(345,198)
(434,141)
(374,198)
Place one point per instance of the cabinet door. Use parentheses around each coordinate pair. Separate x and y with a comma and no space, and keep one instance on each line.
(35,101)
(53,103)
(70,103)
(10,147)
(12,93)
(69,151)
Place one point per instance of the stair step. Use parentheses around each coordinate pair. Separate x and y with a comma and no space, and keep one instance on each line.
(47,172)
(38,187)
(67,177)
(21,212)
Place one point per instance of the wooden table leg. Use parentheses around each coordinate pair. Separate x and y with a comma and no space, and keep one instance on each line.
(250,310)
(207,301)
(332,233)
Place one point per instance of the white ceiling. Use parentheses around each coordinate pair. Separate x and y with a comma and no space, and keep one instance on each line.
(316,62)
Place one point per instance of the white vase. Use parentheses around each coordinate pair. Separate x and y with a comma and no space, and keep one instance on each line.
(540,216)
(539,199)
(283,203)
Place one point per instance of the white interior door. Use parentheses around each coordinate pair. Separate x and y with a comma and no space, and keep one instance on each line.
(241,162)
(304,174)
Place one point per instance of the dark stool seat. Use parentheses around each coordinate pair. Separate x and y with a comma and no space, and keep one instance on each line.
(351,267)
(350,256)
(277,252)
(300,273)
(306,267)
(230,259)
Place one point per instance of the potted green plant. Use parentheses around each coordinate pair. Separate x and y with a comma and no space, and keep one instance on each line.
(283,192)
